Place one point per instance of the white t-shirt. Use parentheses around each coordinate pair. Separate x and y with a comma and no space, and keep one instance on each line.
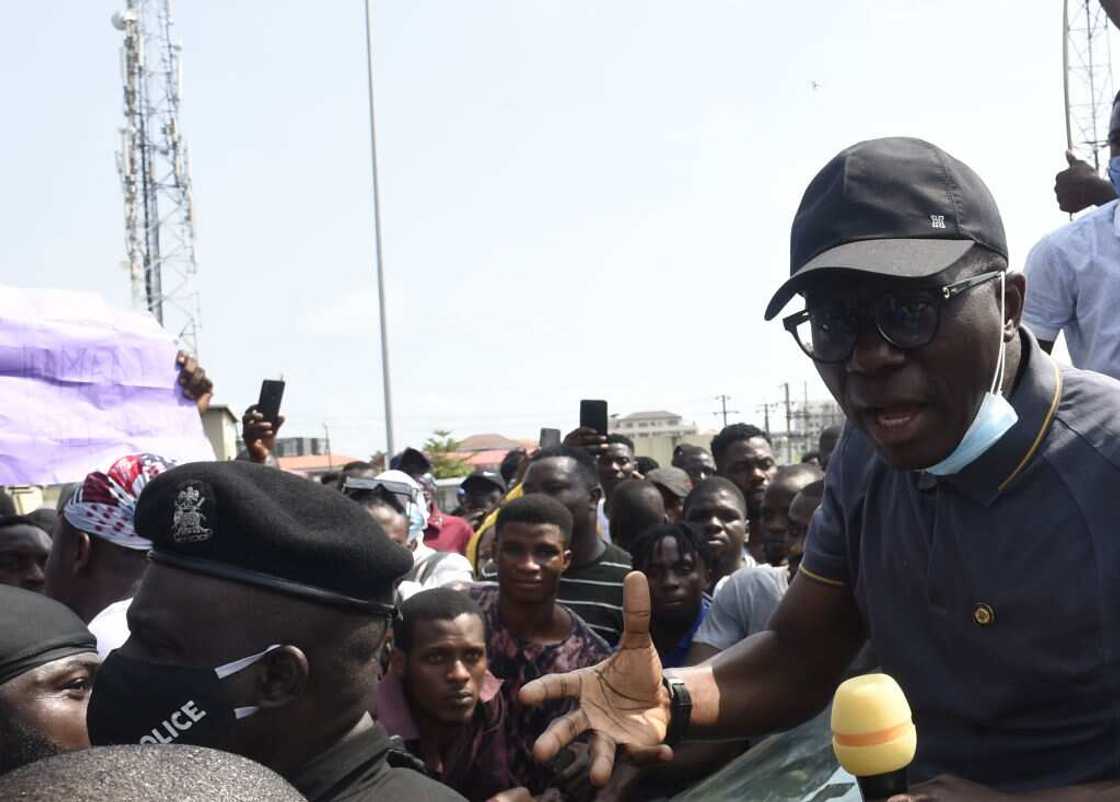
(743,605)
(433,569)
(110,627)
(1073,286)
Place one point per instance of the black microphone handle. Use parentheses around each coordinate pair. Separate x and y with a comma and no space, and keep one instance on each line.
(884,786)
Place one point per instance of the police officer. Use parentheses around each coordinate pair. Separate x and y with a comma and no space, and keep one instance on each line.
(255,631)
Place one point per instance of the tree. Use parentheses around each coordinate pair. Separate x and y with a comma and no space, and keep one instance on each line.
(442,449)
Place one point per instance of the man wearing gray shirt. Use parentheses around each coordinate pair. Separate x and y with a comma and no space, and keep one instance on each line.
(741,607)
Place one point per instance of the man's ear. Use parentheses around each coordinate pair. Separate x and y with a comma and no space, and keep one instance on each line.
(82,546)
(566,558)
(596,496)
(1015,293)
(282,677)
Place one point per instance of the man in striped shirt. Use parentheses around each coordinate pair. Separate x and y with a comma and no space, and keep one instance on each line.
(592,586)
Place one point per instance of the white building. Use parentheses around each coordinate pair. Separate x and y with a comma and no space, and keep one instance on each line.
(657,423)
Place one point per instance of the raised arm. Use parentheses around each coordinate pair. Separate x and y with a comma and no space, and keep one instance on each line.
(770,681)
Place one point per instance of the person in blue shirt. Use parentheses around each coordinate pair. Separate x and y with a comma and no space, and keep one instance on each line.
(676,559)
(968,526)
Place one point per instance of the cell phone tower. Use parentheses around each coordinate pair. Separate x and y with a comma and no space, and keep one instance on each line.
(1087,69)
(155,172)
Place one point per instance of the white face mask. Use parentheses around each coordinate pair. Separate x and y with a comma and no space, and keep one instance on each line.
(993,419)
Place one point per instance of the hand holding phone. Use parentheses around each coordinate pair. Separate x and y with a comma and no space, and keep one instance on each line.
(262,421)
(592,431)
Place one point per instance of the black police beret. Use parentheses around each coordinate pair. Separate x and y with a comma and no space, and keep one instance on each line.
(258,525)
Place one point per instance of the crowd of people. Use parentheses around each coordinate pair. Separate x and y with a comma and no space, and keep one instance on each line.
(375,643)
(230,630)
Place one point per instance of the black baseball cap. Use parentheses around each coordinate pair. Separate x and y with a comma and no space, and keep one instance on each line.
(484,478)
(897,207)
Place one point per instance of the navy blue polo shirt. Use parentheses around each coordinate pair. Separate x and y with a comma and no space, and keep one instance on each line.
(993,596)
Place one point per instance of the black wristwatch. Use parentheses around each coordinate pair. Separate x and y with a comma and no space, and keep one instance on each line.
(680,709)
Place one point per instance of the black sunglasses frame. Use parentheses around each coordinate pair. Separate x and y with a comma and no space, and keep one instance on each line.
(939,295)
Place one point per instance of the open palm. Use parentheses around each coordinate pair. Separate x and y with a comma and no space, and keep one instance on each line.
(621,700)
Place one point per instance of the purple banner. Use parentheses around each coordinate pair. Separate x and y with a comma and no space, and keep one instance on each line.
(82,384)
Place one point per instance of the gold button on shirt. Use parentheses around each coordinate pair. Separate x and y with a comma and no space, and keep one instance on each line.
(983,614)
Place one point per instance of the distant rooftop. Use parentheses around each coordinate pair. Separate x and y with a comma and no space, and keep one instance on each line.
(489,442)
(315,463)
(657,414)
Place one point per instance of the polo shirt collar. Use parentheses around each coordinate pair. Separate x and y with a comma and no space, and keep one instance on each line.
(1035,398)
(395,714)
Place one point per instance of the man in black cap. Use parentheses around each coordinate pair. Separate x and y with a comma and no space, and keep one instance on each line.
(696,461)
(256,629)
(975,477)
(47,662)
(479,495)
(674,484)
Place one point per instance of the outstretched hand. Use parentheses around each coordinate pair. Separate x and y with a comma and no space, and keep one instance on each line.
(621,700)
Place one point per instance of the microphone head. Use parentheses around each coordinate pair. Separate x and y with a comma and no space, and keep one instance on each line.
(872,730)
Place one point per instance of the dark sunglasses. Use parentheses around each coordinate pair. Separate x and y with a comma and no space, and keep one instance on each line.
(399,494)
(907,320)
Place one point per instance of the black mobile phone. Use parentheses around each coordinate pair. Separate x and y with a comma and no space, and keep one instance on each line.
(272,393)
(550,438)
(593,415)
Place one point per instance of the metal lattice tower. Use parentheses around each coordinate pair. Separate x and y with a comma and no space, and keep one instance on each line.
(1087,61)
(155,172)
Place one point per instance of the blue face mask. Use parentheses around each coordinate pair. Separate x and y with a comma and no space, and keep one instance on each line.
(1114,172)
(993,419)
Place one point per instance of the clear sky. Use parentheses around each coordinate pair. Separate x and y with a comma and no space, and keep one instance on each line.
(579,199)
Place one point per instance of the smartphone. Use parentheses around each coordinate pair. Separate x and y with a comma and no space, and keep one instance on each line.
(593,415)
(550,438)
(272,393)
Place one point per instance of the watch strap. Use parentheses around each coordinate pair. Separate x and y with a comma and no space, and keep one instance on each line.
(680,709)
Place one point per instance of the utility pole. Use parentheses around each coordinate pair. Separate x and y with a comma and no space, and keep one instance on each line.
(789,426)
(765,407)
(806,437)
(389,449)
(327,437)
(723,399)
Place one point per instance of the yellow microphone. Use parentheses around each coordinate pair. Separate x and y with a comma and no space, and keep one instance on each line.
(873,735)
